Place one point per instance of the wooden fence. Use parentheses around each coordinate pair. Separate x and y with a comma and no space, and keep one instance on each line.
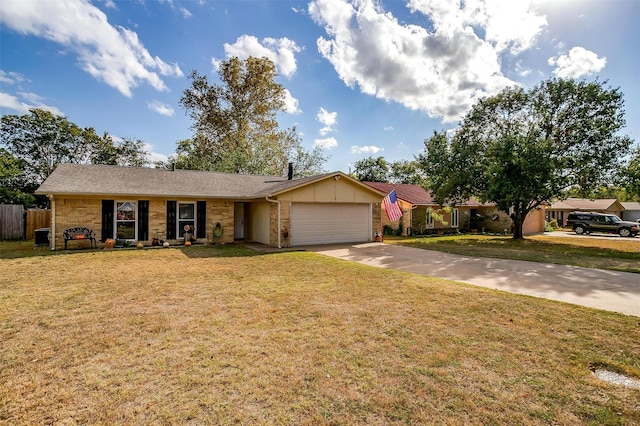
(11,222)
(36,219)
(15,224)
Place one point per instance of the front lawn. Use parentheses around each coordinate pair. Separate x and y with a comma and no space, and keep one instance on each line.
(619,254)
(221,335)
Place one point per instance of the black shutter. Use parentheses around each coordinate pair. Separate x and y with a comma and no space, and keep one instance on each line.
(107,220)
(143,220)
(171,220)
(201,219)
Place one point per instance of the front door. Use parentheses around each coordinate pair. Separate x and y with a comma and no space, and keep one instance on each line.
(238,221)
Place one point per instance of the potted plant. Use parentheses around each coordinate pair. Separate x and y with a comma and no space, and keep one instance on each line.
(120,241)
(189,233)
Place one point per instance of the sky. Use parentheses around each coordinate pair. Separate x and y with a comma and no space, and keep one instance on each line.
(362,77)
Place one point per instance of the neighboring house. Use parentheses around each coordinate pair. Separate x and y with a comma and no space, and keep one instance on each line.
(418,207)
(631,211)
(140,204)
(561,209)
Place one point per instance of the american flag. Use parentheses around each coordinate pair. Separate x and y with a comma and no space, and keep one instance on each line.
(391,206)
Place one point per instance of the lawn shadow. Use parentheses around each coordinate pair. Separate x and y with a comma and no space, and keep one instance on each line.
(248,249)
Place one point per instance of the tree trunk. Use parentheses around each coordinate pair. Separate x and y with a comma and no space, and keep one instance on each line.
(518,221)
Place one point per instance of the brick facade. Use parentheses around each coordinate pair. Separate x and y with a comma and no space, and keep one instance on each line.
(87,212)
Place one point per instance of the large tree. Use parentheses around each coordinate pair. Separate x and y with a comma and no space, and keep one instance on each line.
(523,148)
(125,152)
(380,170)
(371,169)
(14,189)
(37,142)
(630,176)
(42,141)
(234,122)
(407,172)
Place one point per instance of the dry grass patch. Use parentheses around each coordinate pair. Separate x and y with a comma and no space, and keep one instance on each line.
(198,336)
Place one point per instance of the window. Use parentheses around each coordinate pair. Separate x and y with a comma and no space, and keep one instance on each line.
(186,217)
(454,218)
(429,221)
(126,214)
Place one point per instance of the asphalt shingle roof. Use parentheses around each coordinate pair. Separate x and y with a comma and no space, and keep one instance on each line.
(631,205)
(583,204)
(91,179)
(416,195)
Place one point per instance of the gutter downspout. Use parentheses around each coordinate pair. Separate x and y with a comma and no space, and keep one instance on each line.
(52,231)
(278,203)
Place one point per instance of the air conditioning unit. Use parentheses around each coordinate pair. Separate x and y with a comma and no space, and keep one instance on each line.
(42,236)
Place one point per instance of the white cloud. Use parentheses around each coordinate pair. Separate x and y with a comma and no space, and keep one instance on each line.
(388,128)
(11,77)
(521,69)
(185,12)
(579,62)
(326,143)
(508,24)
(154,156)
(21,103)
(441,70)
(13,103)
(280,51)
(291,104)
(215,63)
(160,108)
(327,118)
(114,55)
(368,149)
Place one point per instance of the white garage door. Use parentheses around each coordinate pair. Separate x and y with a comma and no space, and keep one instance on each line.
(329,223)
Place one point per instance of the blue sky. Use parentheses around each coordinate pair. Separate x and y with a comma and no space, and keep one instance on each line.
(364,78)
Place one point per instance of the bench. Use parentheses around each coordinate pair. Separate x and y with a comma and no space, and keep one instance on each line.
(79,234)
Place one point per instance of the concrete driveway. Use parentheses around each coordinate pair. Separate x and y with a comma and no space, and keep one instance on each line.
(595,288)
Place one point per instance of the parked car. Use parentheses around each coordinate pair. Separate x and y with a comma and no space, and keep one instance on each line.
(586,223)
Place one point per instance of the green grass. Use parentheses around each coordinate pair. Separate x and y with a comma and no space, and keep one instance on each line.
(18,249)
(620,254)
(223,335)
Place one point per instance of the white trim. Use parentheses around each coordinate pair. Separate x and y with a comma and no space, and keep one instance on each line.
(135,221)
(371,222)
(195,217)
(455,217)
(52,231)
(429,222)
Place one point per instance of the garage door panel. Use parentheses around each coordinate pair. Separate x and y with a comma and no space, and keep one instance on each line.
(314,223)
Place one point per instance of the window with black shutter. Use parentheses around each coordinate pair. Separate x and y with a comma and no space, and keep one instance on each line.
(171,220)
(143,220)
(201,219)
(107,220)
